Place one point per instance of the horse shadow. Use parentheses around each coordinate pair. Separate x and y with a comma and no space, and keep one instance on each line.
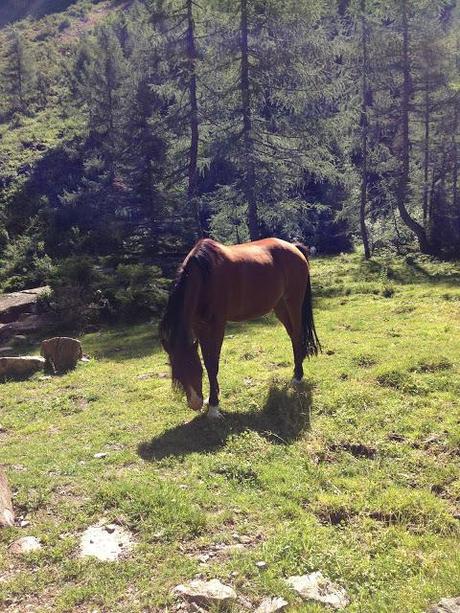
(282,420)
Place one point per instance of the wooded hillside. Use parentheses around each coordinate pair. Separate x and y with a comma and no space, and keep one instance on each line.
(129,129)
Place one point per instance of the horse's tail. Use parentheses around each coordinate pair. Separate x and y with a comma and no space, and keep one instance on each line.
(311,344)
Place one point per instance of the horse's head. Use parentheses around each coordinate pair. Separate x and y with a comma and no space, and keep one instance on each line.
(187,373)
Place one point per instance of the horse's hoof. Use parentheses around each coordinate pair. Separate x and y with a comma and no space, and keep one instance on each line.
(296,381)
(214,413)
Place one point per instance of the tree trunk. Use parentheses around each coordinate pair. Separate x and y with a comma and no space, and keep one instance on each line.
(426,156)
(192,190)
(364,134)
(455,203)
(249,175)
(403,186)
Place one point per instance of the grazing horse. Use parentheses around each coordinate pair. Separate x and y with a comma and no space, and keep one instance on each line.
(216,284)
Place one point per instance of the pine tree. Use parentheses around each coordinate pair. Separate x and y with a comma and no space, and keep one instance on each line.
(18,73)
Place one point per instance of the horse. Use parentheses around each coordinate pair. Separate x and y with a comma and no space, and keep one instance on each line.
(218,283)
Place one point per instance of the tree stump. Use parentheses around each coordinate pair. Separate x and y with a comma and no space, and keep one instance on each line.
(61,353)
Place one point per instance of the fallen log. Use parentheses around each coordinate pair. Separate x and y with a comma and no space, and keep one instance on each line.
(6,504)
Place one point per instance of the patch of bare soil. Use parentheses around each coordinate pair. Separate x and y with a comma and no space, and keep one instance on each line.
(358,450)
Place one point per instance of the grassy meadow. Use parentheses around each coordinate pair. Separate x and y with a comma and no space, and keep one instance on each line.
(355,473)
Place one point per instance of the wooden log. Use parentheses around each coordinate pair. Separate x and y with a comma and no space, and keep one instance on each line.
(6,504)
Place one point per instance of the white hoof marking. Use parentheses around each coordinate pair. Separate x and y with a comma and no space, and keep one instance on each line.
(296,381)
(214,413)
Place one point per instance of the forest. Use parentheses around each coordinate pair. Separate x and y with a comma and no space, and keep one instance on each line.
(130,129)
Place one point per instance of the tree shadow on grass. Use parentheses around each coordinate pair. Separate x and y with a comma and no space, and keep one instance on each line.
(283,419)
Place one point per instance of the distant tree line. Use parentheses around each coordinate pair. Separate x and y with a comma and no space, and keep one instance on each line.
(318,120)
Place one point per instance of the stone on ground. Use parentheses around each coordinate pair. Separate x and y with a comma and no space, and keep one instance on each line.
(446,605)
(319,588)
(271,605)
(25,545)
(61,353)
(207,593)
(6,505)
(20,367)
(106,542)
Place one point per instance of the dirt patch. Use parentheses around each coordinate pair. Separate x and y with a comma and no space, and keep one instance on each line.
(358,450)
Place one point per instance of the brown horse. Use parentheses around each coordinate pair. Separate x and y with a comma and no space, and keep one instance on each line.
(216,284)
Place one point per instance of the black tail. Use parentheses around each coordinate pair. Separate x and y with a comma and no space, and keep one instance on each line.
(311,344)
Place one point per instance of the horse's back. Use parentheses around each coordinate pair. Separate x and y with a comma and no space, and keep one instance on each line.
(249,279)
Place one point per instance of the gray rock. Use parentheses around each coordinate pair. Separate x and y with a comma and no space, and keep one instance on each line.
(61,353)
(25,545)
(17,303)
(319,588)
(7,349)
(446,605)
(20,367)
(206,593)
(6,504)
(107,543)
(271,605)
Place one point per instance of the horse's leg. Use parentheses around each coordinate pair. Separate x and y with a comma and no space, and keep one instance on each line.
(211,340)
(289,312)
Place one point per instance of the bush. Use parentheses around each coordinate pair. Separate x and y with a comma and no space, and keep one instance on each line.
(25,264)
(85,292)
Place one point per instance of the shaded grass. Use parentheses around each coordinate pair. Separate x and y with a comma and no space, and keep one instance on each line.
(355,474)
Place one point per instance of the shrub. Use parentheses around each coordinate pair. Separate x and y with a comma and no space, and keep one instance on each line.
(84,292)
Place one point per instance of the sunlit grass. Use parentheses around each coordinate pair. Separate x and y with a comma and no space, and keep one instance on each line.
(355,474)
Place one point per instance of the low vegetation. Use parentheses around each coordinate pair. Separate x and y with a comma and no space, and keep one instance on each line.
(355,474)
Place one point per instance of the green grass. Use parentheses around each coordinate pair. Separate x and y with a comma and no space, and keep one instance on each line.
(355,474)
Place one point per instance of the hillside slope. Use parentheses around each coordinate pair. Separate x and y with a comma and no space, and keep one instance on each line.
(14,10)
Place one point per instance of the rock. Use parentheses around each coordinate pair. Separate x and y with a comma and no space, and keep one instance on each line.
(28,323)
(446,605)
(6,504)
(6,350)
(206,593)
(25,545)
(19,338)
(20,367)
(61,353)
(100,455)
(261,565)
(271,605)
(15,304)
(319,588)
(106,542)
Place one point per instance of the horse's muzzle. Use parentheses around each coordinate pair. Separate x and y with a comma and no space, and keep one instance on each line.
(195,402)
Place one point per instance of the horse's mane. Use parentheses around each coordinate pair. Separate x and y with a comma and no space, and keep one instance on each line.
(174,331)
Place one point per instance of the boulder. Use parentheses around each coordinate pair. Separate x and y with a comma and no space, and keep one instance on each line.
(271,605)
(446,605)
(106,542)
(20,367)
(6,505)
(319,588)
(61,353)
(13,305)
(207,593)
(25,545)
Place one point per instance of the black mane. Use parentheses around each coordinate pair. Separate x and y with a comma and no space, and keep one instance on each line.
(173,330)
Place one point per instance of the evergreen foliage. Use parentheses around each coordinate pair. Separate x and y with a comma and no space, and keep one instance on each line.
(128,131)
